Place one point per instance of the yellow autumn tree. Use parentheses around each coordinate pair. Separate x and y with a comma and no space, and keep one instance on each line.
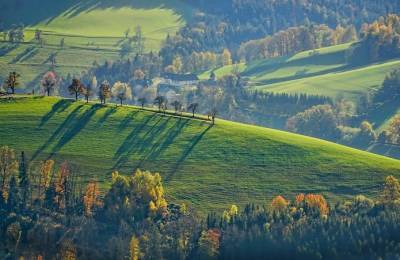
(46,169)
(228,215)
(391,190)
(226,57)
(8,167)
(279,204)
(147,189)
(91,199)
(134,248)
(139,196)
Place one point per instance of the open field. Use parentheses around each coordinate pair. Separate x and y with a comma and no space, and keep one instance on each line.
(319,72)
(92,30)
(207,166)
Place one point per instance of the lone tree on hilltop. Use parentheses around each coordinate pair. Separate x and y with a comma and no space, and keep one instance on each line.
(122,91)
(76,88)
(193,107)
(49,82)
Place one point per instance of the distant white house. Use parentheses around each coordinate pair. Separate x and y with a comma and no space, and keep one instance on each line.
(179,80)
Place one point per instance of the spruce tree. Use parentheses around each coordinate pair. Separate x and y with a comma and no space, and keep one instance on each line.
(24,184)
(14,198)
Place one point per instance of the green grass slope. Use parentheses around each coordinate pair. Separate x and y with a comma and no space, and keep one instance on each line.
(352,83)
(319,72)
(303,64)
(98,18)
(93,30)
(207,166)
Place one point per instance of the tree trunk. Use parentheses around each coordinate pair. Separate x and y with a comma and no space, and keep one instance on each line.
(87,99)
(76,96)
(120,102)
(48,92)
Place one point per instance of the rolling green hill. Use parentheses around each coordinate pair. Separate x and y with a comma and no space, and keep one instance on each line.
(207,166)
(319,72)
(93,30)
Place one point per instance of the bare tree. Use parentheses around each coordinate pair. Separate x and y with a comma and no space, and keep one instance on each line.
(213,114)
(88,92)
(142,101)
(177,106)
(193,107)
(159,101)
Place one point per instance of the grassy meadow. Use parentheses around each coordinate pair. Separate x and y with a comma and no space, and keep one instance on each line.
(206,166)
(319,72)
(92,30)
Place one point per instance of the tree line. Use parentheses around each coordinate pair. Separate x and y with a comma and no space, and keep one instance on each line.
(296,39)
(50,212)
(344,122)
(229,23)
(380,40)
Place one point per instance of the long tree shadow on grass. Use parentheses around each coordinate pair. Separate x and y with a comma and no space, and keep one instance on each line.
(127,120)
(186,152)
(58,107)
(106,115)
(68,120)
(140,145)
(129,144)
(164,140)
(75,127)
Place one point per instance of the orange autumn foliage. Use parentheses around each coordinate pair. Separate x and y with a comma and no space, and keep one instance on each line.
(91,199)
(318,202)
(300,198)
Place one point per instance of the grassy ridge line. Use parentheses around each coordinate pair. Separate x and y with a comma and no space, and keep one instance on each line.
(352,83)
(280,68)
(206,166)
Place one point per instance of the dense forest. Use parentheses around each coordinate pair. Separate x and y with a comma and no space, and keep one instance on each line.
(51,211)
(228,23)
(294,40)
(380,40)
